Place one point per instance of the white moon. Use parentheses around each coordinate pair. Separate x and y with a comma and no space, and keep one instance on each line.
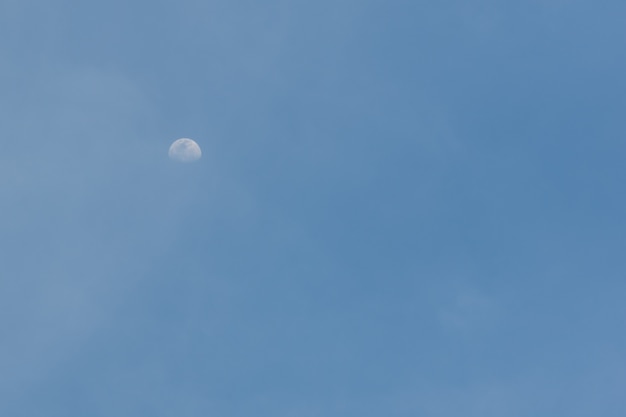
(185,150)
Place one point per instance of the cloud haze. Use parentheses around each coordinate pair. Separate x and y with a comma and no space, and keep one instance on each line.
(401,209)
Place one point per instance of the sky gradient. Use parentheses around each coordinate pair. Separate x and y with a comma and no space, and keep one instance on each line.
(403,208)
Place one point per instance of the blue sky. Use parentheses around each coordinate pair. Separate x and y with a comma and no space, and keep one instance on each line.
(403,209)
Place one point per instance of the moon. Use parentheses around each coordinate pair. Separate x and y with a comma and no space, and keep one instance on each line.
(184,150)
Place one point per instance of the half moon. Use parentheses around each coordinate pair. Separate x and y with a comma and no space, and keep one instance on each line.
(184,150)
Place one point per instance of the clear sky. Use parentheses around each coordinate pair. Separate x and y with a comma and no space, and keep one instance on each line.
(403,208)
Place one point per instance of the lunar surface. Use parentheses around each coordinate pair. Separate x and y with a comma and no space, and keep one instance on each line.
(184,150)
